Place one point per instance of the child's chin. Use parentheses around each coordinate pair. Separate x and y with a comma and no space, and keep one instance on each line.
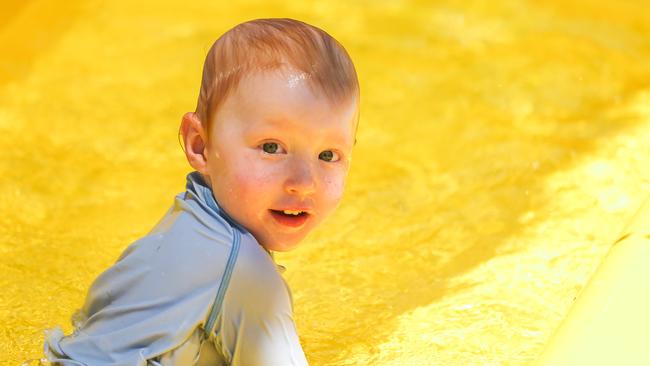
(282,246)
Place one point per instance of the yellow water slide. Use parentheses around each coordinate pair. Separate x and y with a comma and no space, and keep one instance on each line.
(609,323)
(493,210)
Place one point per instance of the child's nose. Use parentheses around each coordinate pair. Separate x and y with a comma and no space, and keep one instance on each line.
(301,180)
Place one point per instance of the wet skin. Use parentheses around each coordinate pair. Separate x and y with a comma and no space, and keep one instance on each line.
(278,155)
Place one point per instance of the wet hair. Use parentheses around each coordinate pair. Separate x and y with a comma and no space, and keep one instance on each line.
(275,44)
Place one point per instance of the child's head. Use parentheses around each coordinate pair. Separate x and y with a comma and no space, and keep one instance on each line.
(274,127)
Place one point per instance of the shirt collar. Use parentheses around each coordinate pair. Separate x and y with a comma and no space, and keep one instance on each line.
(200,188)
(202,191)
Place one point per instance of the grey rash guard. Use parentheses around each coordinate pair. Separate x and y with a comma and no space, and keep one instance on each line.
(152,306)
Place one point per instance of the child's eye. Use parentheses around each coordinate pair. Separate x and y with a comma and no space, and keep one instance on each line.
(329,155)
(271,147)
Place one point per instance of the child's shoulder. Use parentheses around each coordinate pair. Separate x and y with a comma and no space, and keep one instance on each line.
(257,280)
(181,248)
(254,260)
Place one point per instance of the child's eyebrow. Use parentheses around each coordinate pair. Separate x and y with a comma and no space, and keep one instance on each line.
(341,140)
(277,122)
(273,124)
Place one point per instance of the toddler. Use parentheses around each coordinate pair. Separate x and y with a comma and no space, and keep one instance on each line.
(270,143)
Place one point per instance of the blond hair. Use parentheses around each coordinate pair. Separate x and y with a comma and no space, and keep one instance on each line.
(271,44)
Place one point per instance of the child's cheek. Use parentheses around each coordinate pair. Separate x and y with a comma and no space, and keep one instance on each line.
(252,178)
(333,189)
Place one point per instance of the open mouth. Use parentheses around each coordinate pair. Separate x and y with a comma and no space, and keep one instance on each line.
(289,217)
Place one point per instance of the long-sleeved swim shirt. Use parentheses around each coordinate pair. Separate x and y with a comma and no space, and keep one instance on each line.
(198,289)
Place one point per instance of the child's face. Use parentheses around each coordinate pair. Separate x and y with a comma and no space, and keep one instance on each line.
(275,146)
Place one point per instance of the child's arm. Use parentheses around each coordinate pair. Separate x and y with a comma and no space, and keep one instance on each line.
(257,326)
(146,304)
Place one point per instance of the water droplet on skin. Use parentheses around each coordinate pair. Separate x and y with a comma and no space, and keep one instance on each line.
(293,80)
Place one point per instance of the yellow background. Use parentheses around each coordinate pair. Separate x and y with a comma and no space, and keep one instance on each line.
(503,146)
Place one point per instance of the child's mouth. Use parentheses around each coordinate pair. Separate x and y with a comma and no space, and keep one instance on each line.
(290,218)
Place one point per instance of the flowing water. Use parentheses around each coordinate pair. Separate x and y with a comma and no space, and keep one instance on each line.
(503,146)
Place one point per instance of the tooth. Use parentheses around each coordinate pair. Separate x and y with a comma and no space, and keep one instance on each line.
(291,212)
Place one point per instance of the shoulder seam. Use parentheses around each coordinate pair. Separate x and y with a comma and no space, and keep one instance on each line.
(225,280)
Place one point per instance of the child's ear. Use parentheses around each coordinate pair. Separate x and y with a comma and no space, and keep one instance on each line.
(194,139)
